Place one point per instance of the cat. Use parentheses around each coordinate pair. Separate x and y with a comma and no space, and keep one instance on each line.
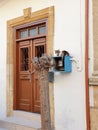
(65,53)
(57,52)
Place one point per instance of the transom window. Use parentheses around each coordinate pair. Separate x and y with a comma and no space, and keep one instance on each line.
(23,33)
(32,31)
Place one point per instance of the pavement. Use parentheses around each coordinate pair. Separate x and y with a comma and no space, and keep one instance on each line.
(2,129)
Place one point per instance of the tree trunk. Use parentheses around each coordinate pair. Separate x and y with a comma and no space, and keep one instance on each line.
(44,99)
(42,65)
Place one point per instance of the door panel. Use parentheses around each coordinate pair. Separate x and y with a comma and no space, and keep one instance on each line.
(24,96)
(36,96)
(39,48)
(24,86)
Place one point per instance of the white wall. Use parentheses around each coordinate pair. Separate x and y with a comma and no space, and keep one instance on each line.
(91,69)
(2,69)
(69,34)
(70,88)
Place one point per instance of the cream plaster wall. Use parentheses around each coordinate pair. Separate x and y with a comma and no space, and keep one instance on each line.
(69,89)
(69,34)
(91,47)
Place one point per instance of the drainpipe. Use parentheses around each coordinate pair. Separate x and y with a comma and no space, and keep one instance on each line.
(86,63)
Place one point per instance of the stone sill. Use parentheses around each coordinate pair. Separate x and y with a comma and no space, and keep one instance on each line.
(93,81)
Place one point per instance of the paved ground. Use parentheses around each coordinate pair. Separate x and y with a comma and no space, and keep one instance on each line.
(2,129)
(21,121)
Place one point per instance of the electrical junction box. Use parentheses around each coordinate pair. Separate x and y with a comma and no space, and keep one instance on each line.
(62,64)
(51,76)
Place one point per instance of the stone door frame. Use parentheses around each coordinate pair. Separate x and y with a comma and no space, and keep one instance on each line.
(27,17)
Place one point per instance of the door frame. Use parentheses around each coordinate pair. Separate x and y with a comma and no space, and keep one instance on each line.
(28,17)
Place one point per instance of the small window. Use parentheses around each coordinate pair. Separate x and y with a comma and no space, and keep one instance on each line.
(23,34)
(39,50)
(42,30)
(33,32)
(24,59)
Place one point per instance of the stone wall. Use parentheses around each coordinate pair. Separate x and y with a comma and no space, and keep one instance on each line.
(93,81)
(94,104)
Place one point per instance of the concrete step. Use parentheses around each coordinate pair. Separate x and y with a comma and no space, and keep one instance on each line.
(21,121)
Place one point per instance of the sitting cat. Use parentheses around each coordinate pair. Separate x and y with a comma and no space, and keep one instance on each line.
(57,52)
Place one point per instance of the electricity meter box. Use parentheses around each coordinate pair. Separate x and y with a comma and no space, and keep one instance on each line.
(62,64)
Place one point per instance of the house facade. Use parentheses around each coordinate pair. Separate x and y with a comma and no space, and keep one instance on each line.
(30,28)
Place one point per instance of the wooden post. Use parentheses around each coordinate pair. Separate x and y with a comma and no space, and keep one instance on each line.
(42,66)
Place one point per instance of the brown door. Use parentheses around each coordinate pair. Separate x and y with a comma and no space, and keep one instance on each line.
(39,48)
(27,87)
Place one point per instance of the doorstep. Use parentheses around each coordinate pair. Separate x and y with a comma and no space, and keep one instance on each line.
(21,121)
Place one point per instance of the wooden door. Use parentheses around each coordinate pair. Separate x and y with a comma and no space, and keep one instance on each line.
(23,84)
(39,48)
(27,86)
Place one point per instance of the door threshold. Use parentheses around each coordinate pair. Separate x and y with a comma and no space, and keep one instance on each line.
(22,118)
(27,115)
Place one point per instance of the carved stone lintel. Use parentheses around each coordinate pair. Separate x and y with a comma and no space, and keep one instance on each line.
(27,13)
